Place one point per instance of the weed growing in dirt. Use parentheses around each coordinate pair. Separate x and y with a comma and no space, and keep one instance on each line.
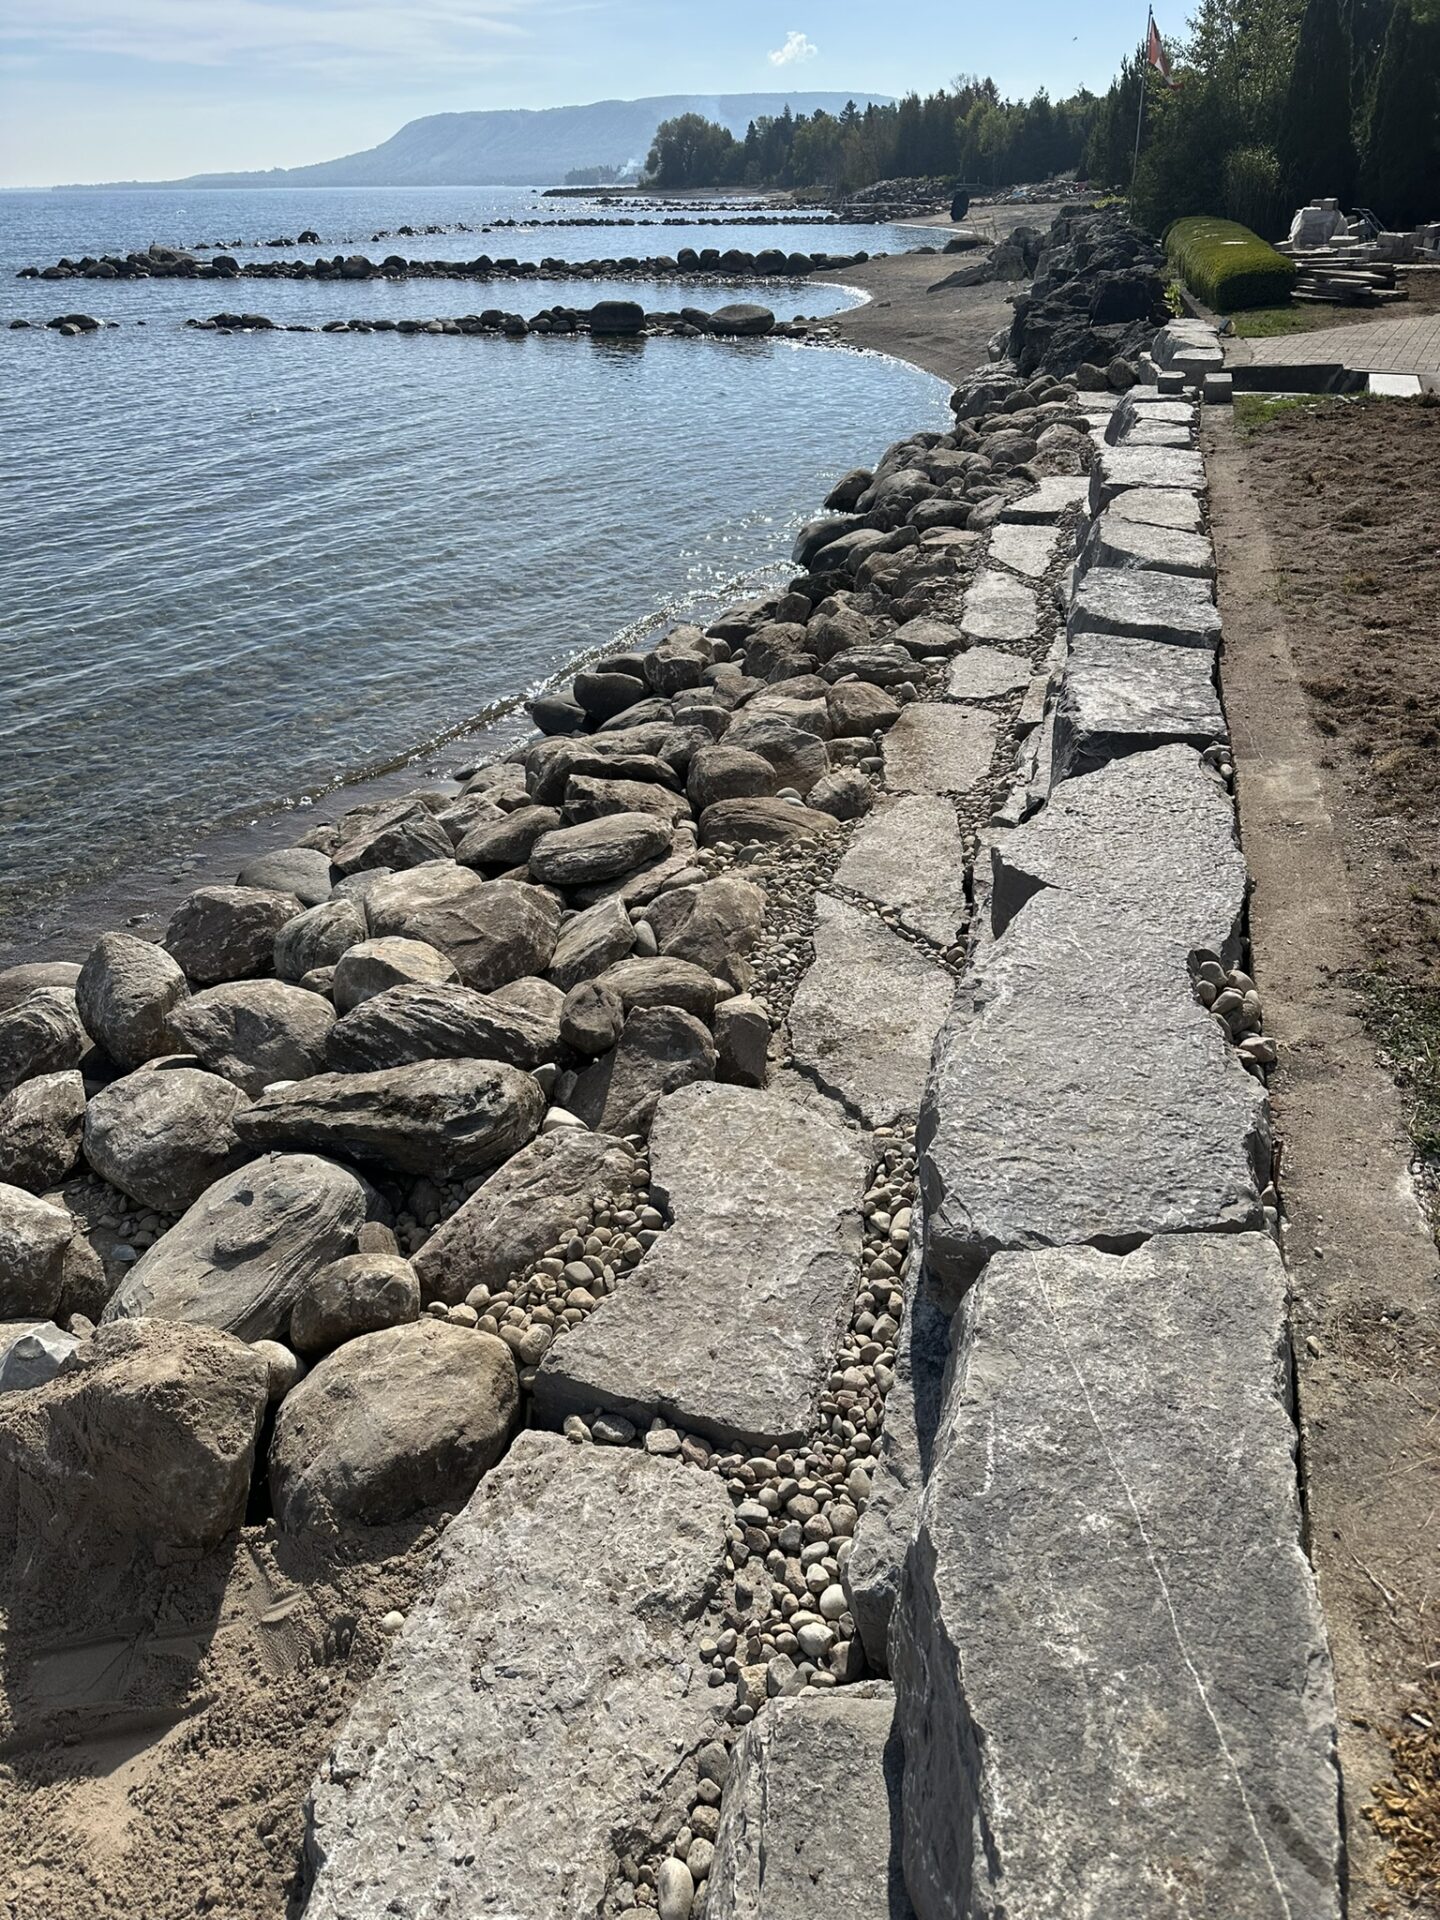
(1256,410)
(1407,1020)
(1406,1807)
(1269,323)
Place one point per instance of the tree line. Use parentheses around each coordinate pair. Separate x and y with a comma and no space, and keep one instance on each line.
(966,132)
(1277,102)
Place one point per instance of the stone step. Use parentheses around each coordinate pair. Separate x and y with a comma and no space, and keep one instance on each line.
(1114,1689)
(1151,837)
(1028,549)
(908,856)
(810,1824)
(1170,608)
(730,1324)
(866,1014)
(542,1708)
(1116,541)
(1121,696)
(999,607)
(1118,468)
(1053,495)
(1082,1095)
(939,749)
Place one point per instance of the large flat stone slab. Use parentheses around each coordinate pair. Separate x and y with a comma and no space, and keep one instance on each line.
(1054,495)
(1026,549)
(1120,696)
(866,1014)
(1114,1689)
(998,607)
(933,748)
(1081,1095)
(1117,468)
(1158,507)
(908,856)
(1117,542)
(901,1466)
(1137,605)
(533,1714)
(730,1323)
(985,673)
(1151,838)
(810,1828)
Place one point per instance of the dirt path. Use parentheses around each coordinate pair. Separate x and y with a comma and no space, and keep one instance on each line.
(1329,867)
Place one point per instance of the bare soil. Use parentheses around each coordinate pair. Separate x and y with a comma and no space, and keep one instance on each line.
(1327,529)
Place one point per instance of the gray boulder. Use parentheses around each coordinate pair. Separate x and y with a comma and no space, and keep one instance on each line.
(540,1195)
(723,772)
(391,1423)
(35,1242)
(392,900)
(303,871)
(598,850)
(438,1022)
(318,937)
(372,966)
(164,1135)
(362,1293)
(744,319)
(845,794)
(149,1434)
(592,1018)
(761,822)
(798,757)
(710,925)
(41,1033)
(400,835)
(16,982)
(227,933)
(590,942)
(255,1031)
(507,842)
(660,1049)
(659,981)
(240,1255)
(126,993)
(444,1118)
(857,708)
(587,798)
(42,1122)
(493,931)
(32,1352)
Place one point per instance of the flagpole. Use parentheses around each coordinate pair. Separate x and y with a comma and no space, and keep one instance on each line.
(1144,89)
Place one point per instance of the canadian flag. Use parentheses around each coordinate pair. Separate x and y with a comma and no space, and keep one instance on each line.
(1156,55)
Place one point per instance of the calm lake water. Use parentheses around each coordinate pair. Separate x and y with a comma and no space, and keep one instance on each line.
(235,571)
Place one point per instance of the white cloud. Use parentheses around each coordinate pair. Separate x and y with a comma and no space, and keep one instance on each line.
(796,47)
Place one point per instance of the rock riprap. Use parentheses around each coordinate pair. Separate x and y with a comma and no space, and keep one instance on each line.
(730,1323)
(164,1135)
(1114,1690)
(552,1668)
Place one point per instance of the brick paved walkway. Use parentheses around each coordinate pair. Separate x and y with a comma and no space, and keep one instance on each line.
(1401,345)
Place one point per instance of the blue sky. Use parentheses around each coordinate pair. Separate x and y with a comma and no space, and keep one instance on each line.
(123,89)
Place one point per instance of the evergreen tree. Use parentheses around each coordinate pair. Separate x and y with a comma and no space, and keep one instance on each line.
(1316,144)
(1400,173)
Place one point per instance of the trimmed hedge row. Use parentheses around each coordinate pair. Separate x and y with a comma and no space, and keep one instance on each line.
(1226,265)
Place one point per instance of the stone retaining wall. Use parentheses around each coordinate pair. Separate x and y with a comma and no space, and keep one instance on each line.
(840,1120)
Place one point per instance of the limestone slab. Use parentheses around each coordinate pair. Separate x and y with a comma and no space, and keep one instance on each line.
(1151,838)
(1115,541)
(934,748)
(1136,605)
(811,1816)
(901,1466)
(1081,1095)
(1114,1689)
(984,673)
(908,856)
(1054,495)
(1151,410)
(531,1717)
(998,607)
(1158,507)
(866,1014)
(1026,549)
(1157,433)
(730,1323)
(1117,468)
(1120,696)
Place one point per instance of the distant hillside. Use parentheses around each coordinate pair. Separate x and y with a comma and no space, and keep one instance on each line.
(520,147)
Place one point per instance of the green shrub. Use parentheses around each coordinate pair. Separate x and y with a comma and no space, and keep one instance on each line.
(1227,266)
(1255,190)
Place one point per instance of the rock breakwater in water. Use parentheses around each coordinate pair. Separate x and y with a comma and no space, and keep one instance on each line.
(782,1158)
